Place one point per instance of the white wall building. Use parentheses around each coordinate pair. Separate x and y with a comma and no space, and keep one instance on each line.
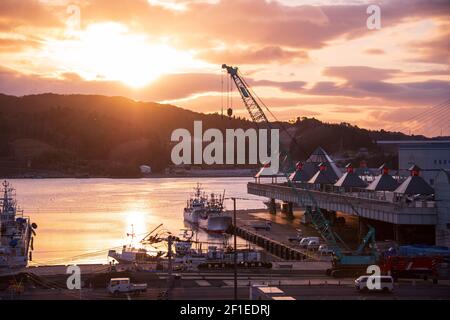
(430,156)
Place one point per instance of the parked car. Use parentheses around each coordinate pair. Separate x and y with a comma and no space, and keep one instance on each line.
(117,286)
(324,250)
(304,242)
(298,237)
(313,244)
(386,283)
(262,225)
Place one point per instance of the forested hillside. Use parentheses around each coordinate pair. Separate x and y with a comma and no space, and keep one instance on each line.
(112,136)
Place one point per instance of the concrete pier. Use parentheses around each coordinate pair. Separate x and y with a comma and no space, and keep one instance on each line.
(272,206)
(272,246)
(405,222)
(287,208)
(276,240)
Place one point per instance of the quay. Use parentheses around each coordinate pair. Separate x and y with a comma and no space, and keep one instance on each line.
(407,208)
(276,240)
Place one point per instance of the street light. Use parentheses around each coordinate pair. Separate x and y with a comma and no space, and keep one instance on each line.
(235,248)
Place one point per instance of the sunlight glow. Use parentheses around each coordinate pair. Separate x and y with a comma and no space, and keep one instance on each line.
(135,221)
(107,51)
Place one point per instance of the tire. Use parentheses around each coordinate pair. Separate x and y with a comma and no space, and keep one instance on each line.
(336,273)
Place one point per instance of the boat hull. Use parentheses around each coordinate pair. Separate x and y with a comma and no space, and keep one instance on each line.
(191,216)
(218,224)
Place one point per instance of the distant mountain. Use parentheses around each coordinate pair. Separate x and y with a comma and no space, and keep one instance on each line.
(339,138)
(111,136)
(92,134)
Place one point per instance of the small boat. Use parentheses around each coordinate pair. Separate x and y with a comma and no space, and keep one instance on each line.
(131,254)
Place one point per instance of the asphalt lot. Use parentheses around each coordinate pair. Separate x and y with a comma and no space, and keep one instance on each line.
(214,288)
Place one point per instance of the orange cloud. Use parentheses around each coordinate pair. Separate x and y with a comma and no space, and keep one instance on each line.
(435,50)
(28,13)
(253,55)
(285,47)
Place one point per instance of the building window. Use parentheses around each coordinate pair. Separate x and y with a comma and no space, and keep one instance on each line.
(445,161)
(440,162)
(435,161)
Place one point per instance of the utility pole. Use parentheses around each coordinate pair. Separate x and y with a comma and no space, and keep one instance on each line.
(169,256)
(235,249)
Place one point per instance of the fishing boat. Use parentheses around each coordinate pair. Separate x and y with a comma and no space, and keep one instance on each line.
(131,254)
(16,232)
(214,218)
(195,206)
(207,212)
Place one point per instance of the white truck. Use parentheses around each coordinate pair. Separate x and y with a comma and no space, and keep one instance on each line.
(118,286)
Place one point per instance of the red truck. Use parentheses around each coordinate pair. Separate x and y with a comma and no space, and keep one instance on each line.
(423,267)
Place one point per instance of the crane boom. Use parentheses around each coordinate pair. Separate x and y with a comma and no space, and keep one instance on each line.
(258,116)
(253,108)
(318,219)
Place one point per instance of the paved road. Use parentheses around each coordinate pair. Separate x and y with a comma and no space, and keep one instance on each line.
(204,290)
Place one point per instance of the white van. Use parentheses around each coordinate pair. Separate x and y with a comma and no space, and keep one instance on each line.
(324,250)
(386,283)
(313,244)
(304,242)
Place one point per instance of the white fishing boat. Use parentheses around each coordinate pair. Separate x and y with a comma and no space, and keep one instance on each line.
(207,212)
(195,206)
(214,218)
(16,232)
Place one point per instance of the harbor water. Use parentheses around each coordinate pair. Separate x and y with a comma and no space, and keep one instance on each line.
(80,219)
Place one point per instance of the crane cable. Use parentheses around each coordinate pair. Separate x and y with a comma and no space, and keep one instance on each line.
(221,92)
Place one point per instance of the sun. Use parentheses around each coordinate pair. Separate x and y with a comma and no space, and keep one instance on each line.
(108,51)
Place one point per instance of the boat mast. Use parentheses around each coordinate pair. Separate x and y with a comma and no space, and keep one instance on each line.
(132,234)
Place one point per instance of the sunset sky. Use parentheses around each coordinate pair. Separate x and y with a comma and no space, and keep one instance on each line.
(302,57)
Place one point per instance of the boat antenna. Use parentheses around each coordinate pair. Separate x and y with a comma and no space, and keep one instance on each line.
(223,198)
(132,234)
